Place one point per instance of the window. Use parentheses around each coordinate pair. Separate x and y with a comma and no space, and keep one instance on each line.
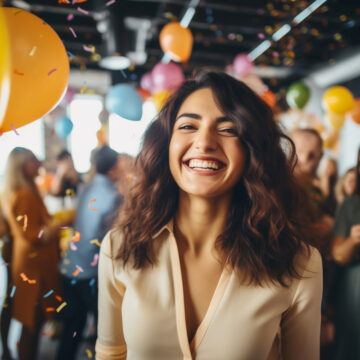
(126,136)
(84,112)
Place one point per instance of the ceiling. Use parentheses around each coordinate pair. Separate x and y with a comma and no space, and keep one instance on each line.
(221,30)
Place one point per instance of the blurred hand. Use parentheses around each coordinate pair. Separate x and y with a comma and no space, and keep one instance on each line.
(355,234)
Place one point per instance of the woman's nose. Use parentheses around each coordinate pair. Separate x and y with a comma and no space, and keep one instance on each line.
(206,140)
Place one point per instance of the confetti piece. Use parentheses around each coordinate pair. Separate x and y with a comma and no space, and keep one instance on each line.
(13,128)
(89,353)
(48,293)
(58,298)
(51,71)
(47,334)
(109,2)
(83,89)
(76,237)
(40,233)
(70,17)
(17,72)
(25,278)
(91,208)
(73,32)
(32,52)
(123,74)
(95,261)
(61,306)
(25,222)
(79,268)
(74,334)
(76,272)
(92,282)
(70,192)
(96,242)
(73,247)
(88,48)
(82,10)
(18,218)
(70,54)
(12,291)
(49,309)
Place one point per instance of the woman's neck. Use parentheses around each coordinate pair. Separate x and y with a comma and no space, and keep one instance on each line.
(199,221)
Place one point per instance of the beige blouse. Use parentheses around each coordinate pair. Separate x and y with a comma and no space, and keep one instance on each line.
(142,315)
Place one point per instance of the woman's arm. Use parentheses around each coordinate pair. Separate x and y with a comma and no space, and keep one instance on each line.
(110,344)
(343,249)
(300,325)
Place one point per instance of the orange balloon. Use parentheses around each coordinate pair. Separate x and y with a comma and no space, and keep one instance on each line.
(39,69)
(176,41)
(144,94)
(4,65)
(355,112)
(269,97)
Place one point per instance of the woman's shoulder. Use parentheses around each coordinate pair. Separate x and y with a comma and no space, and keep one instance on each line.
(110,245)
(308,262)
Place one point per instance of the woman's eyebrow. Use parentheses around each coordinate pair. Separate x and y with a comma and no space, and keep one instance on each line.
(198,117)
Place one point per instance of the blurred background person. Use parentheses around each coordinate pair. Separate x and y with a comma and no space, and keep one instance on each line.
(34,260)
(66,179)
(309,151)
(327,182)
(346,253)
(346,185)
(5,312)
(97,207)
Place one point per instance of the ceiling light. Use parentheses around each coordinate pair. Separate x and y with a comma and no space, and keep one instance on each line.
(115,62)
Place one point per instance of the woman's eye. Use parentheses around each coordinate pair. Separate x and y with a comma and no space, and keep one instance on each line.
(230,131)
(186,127)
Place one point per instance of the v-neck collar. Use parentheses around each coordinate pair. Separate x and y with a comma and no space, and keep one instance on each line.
(186,348)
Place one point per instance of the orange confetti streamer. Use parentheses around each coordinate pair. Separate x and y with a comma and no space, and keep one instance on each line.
(76,237)
(17,72)
(91,208)
(59,298)
(49,309)
(76,272)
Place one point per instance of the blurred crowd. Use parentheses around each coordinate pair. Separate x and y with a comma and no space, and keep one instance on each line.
(51,251)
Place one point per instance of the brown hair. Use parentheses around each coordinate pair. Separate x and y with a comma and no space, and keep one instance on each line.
(266,225)
(357,191)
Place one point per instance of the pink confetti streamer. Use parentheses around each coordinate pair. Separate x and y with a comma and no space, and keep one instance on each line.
(86,48)
(95,261)
(73,246)
(40,233)
(70,17)
(82,10)
(79,268)
(13,127)
(73,32)
(109,2)
(51,71)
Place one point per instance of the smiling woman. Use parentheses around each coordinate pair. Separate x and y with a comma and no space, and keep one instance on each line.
(212,254)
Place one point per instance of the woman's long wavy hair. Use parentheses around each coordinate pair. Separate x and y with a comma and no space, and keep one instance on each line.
(267,224)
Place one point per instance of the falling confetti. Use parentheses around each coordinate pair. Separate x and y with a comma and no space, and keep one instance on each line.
(49,309)
(70,17)
(14,130)
(95,261)
(83,89)
(82,10)
(91,208)
(89,353)
(74,334)
(70,192)
(109,2)
(76,272)
(48,293)
(79,268)
(73,32)
(76,237)
(58,298)
(40,233)
(17,72)
(61,306)
(73,247)
(12,291)
(96,242)
(32,52)
(51,71)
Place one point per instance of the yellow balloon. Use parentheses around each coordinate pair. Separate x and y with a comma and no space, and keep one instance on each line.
(160,98)
(338,99)
(4,66)
(335,120)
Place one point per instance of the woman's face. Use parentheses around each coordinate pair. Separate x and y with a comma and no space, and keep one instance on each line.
(350,183)
(32,166)
(205,155)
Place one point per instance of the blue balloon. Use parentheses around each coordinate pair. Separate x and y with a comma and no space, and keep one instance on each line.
(63,127)
(123,100)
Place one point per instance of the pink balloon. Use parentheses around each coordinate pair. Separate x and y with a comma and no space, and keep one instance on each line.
(146,82)
(242,65)
(69,95)
(167,76)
